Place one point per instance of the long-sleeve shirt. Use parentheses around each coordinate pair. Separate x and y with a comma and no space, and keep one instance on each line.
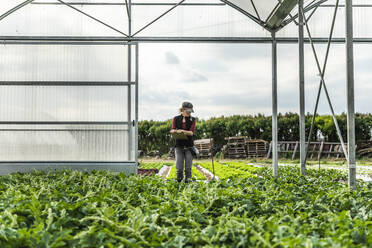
(192,128)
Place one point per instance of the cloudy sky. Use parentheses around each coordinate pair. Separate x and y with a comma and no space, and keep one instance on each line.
(227,79)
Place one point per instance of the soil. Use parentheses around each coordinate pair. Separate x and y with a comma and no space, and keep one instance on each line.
(208,176)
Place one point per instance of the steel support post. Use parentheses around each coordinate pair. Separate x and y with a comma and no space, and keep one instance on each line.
(301,63)
(136,108)
(129,88)
(274,105)
(350,93)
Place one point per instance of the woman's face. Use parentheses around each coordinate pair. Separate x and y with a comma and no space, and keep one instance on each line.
(185,113)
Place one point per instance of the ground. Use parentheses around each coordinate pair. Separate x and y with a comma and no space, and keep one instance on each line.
(364,166)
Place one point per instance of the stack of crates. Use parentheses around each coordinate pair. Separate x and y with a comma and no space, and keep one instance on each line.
(236,147)
(256,148)
(205,147)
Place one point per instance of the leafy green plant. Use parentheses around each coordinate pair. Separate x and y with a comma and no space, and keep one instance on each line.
(102,209)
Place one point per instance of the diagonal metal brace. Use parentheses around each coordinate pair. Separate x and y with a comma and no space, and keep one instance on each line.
(320,83)
(321,73)
(14,9)
(93,18)
(166,12)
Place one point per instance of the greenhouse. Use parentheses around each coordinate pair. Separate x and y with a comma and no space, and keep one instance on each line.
(70,75)
(90,51)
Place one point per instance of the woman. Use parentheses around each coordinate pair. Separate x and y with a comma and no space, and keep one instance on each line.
(184,123)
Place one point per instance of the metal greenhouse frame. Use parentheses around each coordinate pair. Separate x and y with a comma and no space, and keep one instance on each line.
(280,16)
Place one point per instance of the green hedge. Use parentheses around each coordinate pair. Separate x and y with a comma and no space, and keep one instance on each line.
(154,135)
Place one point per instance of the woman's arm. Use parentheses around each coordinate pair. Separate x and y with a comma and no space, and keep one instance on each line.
(173,128)
(192,129)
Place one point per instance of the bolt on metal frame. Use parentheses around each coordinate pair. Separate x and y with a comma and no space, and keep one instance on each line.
(313,6)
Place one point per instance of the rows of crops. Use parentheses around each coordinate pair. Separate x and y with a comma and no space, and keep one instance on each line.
(231,169)
(196,174)
(222,170)
(101,209)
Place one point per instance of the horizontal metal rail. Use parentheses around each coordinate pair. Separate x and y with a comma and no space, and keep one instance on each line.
(93,40)
(69,162)
(343,5)
(133,4)
(171,4)
(61,130)
(65,83)
(64,123)
(7,167)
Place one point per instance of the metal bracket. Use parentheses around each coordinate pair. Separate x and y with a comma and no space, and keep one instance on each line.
(352,166)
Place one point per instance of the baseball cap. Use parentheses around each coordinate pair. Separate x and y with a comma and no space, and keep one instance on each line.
(188,107)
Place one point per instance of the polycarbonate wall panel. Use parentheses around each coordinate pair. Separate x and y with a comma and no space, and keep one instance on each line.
(64,143)
(63,103)
(37,19)
(75,121)
(63,63)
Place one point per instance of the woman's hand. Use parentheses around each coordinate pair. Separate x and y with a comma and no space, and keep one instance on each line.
(188,133)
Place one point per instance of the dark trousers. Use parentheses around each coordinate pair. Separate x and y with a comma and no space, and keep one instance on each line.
(183,162)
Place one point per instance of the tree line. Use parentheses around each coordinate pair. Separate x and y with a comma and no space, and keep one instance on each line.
(154,135)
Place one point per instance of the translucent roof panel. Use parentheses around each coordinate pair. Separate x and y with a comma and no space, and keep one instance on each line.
(195,21)
(193,18)
(52,18)
(271,13)
(265,7)
(9,4)
(309,5)
(320,23)
(246,6)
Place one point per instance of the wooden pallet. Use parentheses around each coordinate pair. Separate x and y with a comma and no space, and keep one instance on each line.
(235,147)
(205,147)
(256,148)
(315,149)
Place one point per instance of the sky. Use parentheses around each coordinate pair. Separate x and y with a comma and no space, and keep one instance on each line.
(228,79)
